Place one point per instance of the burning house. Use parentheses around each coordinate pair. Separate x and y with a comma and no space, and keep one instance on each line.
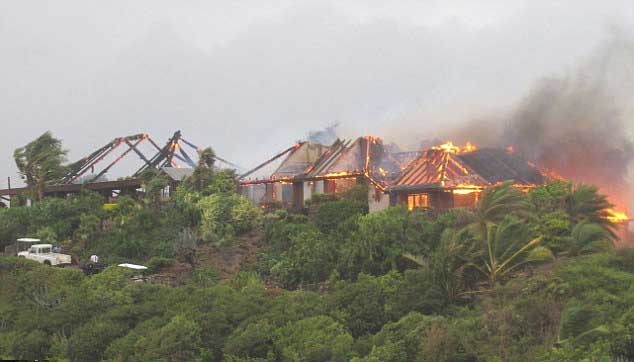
(280,184)
(311,168)
(441,177)
(364,161)
(449,176)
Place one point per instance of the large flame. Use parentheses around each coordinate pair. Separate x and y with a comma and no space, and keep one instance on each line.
(449,147)
(465,191)
(617,216)
(338,174)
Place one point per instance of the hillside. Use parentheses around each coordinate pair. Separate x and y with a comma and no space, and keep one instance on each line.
(521,277)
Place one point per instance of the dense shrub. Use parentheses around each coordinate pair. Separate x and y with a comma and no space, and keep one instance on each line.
(314,339)
(52,219)
(332,214)
(225,216)
(254,340)
(310,258)
(367,304)
(157,263)
(178,340)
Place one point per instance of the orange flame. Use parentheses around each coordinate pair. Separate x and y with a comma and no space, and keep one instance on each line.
(338,174)
(617,216)
(469,147)
(465,189)
(449,147)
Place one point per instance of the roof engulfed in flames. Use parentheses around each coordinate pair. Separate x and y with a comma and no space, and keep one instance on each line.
(449,165)
(449,147)
(366,156)
(463,169)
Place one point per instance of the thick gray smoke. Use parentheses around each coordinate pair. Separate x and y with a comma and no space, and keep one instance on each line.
(579,124)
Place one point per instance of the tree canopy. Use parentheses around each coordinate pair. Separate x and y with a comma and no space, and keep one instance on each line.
(40,162)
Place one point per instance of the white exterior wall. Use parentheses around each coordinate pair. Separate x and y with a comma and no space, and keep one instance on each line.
(319,187)
(308,189)
(377,199)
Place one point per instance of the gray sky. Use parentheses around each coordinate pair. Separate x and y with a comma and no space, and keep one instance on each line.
(250,77)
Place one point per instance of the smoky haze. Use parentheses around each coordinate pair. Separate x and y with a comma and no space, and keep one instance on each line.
(577,124)
(250,79)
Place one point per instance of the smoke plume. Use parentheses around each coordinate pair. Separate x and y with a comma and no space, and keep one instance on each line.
(579,124)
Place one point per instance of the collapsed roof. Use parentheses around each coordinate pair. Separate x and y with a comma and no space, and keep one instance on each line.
(299,160)
(366,156)
(430,169)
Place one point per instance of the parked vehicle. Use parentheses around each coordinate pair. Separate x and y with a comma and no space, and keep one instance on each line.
(43,253)
(139,275)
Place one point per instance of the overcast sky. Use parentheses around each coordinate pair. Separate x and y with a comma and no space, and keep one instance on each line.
(250,77)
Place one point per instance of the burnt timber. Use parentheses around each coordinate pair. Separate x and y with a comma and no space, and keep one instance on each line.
(437,177)
(52,190)
(440,177)
(172,155)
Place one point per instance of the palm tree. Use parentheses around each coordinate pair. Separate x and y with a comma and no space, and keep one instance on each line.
(495,203)
(205,169)
(508,246)
(448,261)
(584,203)
(207,158)
(587,237)
(40,163)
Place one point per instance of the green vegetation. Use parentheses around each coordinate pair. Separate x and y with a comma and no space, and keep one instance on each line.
(522,277)
(40,162)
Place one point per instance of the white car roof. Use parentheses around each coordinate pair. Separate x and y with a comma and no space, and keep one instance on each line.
(42,245)
(133,266)
(29,240)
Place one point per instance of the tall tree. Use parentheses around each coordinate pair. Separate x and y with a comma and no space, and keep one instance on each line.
(207,158)
(154,182)
(204,172)
(40,162)
(205,168)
